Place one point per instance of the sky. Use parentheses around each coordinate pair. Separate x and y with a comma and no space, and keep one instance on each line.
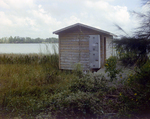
(40,18)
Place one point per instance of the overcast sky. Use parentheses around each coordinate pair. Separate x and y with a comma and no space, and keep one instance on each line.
(39,18)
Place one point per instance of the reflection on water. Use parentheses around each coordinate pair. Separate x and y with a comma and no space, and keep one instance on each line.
(29,48)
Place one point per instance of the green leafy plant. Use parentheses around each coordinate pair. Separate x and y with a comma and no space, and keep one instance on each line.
(128,58)
(134,98)
(88,83)
(80,103)
(111,68)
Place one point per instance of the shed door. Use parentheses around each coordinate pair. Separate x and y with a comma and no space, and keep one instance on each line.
(94,48)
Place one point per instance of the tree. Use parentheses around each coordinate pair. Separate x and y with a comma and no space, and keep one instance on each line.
(28,40)
(135,49)
(10,39)
(51,40)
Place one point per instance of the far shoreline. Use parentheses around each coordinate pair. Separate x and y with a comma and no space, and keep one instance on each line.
(29,43)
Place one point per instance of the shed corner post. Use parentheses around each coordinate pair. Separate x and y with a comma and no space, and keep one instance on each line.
(112,46)
(102,50)
(59,50)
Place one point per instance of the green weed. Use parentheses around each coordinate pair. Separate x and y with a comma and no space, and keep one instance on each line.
(111,68)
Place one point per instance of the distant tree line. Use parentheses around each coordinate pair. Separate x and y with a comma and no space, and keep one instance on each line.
(18,39)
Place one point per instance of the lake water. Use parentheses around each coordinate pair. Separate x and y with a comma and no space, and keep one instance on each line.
(28,48)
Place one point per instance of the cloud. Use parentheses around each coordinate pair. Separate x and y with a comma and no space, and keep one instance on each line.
(36,18)
(3,4)
(19,4)
(5,19)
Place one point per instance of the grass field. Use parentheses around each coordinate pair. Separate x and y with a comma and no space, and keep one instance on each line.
(26,80)
(33,86)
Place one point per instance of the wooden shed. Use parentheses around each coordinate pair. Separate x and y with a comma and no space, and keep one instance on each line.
(83,44)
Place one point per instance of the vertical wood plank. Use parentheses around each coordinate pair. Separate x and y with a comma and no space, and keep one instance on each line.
(59,51)
(104,50)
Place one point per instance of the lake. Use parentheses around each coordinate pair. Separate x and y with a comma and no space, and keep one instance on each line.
(28,48)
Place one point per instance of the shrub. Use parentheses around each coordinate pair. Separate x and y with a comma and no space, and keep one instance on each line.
(110,66)
(88,83)
(135,97)
(78,104)
(128,59)
(142,75)
(83,97)
(133,50)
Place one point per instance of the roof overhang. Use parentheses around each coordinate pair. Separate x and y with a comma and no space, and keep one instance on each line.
(85,26)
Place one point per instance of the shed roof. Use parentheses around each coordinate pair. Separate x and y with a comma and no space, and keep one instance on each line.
(84,26)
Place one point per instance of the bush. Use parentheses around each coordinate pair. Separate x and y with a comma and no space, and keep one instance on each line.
(88,83)
(110,66)
(83,97)
(143,74)
(133,50)
(128,59)
(76,104)
(135,97)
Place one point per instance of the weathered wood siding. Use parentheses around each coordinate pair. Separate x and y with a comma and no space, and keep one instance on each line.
(74,48)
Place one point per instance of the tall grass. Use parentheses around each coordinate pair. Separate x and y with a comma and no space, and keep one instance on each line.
(26,81)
